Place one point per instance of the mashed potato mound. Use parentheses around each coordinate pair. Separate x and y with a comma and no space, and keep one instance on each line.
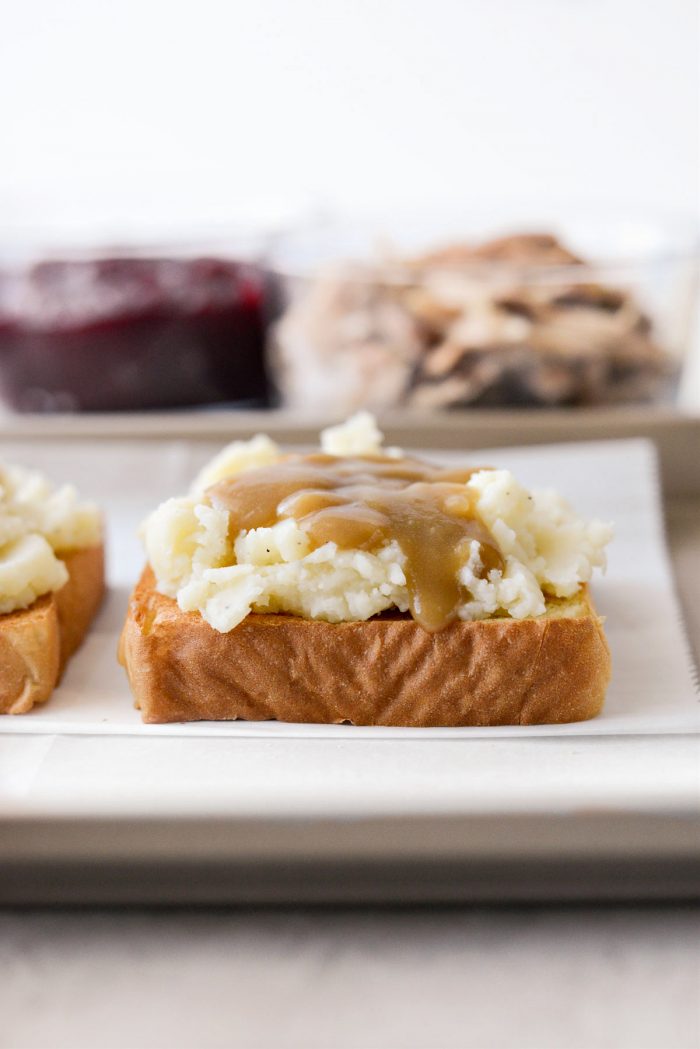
(37,522)
(546,548)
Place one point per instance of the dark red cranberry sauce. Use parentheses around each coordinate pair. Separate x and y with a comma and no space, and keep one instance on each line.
(130,333)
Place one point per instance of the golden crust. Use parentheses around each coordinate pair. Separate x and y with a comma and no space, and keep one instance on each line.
(29,655)
(36,642)
(385,671)
(77,603)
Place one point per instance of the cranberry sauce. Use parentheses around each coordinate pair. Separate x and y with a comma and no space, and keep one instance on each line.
(121,333)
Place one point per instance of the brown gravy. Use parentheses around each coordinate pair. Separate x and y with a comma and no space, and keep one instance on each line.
(364,503)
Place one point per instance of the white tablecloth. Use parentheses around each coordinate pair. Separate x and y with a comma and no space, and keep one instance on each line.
(565,978)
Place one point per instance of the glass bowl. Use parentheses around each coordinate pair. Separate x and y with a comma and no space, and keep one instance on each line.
(95,328)
(461,313)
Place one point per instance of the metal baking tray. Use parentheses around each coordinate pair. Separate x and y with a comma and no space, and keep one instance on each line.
(612,817)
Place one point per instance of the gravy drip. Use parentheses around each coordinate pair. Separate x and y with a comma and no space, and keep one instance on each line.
(364,503)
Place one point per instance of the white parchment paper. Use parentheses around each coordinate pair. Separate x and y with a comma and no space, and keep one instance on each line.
(654,686)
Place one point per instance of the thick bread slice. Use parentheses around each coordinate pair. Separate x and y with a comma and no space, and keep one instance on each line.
(78,601)
(29,655)
(36,642)
(386,671)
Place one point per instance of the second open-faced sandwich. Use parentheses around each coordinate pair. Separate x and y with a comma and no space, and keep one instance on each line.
(51,583)
(360,585)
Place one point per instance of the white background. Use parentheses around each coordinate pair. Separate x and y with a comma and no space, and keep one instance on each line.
(183,111)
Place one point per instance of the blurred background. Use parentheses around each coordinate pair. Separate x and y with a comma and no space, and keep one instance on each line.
(270,133)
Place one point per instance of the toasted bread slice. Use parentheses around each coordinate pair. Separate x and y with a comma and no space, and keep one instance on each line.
(384,671)
(36,642)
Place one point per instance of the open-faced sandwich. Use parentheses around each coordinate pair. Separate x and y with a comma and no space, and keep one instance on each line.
(51,583)
(364,586)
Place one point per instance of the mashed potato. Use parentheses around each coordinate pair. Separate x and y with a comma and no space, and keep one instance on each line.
(546,548)
(37,522)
